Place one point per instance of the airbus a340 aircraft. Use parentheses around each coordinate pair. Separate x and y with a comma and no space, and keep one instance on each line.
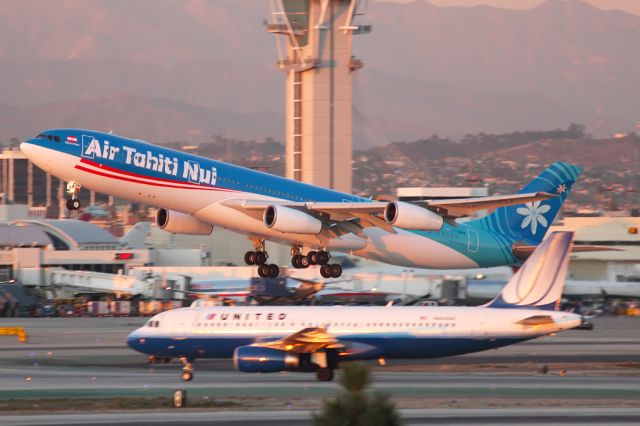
(273,339)
(195,194)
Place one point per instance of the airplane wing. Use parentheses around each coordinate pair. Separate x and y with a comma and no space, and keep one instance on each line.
(344,217)
(307,340)
(333,213)
(463,207)
(317,339)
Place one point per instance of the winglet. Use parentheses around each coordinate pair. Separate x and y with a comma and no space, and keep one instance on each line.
(539,283)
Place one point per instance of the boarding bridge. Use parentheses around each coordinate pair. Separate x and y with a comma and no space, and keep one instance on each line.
(152,287)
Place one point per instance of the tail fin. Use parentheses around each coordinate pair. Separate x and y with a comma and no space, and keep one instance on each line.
(539,283)
(529,222)
(137,236)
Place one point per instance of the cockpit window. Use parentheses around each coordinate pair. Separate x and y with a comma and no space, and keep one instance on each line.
(153,324)
(53,138)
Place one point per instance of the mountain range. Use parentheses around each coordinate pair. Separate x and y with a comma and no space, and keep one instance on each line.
(166,70)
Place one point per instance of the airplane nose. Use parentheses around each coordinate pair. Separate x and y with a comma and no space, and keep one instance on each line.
(135,341)
(26,148)
(38,155)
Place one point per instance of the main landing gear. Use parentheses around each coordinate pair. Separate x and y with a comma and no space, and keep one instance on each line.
(73,188)
(321,258)
(187,369)
(259,257)
(324,374)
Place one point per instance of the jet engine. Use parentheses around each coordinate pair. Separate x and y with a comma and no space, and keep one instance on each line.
(285,219)
(258,359)
(181,223)
(410,216)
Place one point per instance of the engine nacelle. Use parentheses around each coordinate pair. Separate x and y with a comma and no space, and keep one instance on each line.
(410,216)
(285,219)
(257,359)
(181,223)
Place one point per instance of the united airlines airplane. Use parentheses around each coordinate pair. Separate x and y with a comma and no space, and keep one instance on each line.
(195,194)
(310,338)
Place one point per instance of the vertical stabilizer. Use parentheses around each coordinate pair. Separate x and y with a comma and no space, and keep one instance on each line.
(529,222)
(137,236)
(539,282)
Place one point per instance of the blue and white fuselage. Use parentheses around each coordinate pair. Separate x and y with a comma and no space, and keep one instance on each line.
(391,332)
(310,338)
(221,194)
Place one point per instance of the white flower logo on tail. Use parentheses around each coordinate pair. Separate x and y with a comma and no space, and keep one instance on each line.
(533,214)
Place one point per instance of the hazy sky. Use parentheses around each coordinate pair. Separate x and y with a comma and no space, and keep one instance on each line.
(632,6)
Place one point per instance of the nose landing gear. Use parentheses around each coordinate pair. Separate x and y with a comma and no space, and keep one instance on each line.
(73,188)
(187,369)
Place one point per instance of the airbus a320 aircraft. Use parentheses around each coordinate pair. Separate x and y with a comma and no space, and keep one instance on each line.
(272,339)
(195,194)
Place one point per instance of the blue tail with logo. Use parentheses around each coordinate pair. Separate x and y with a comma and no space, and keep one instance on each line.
(529,222)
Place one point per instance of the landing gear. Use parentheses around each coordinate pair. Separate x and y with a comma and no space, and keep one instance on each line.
(73,188)
(255,257)
(298,260)
(73,204)
(187,369)
(321,258)
(331,271)
(259,256)
(269,271)
(318,257)
(324,374)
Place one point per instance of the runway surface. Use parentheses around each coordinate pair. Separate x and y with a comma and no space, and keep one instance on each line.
(411,417)
(88,357)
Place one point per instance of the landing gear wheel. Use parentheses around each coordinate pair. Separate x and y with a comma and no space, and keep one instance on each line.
(325,271)
(335,270)
(299,261)
(311,256)
(250,258)
(187,376)
(263,271)
(324,374)
(322,258)
(273,270)
(261,258)
(73,204)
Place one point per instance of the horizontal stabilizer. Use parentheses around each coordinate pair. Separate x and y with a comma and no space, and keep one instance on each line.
(536,320)
(522,251)
(466,207)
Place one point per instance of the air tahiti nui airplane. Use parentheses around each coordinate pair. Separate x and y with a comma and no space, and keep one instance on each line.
(194,194)
(269,339)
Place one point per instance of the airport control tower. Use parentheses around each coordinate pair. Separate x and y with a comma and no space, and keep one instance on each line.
(315,52)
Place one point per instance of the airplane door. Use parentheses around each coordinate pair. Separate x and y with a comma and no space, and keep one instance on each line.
(180,326)
(472,241)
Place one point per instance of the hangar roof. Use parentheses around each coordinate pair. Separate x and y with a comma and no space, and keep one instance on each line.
(74,234)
